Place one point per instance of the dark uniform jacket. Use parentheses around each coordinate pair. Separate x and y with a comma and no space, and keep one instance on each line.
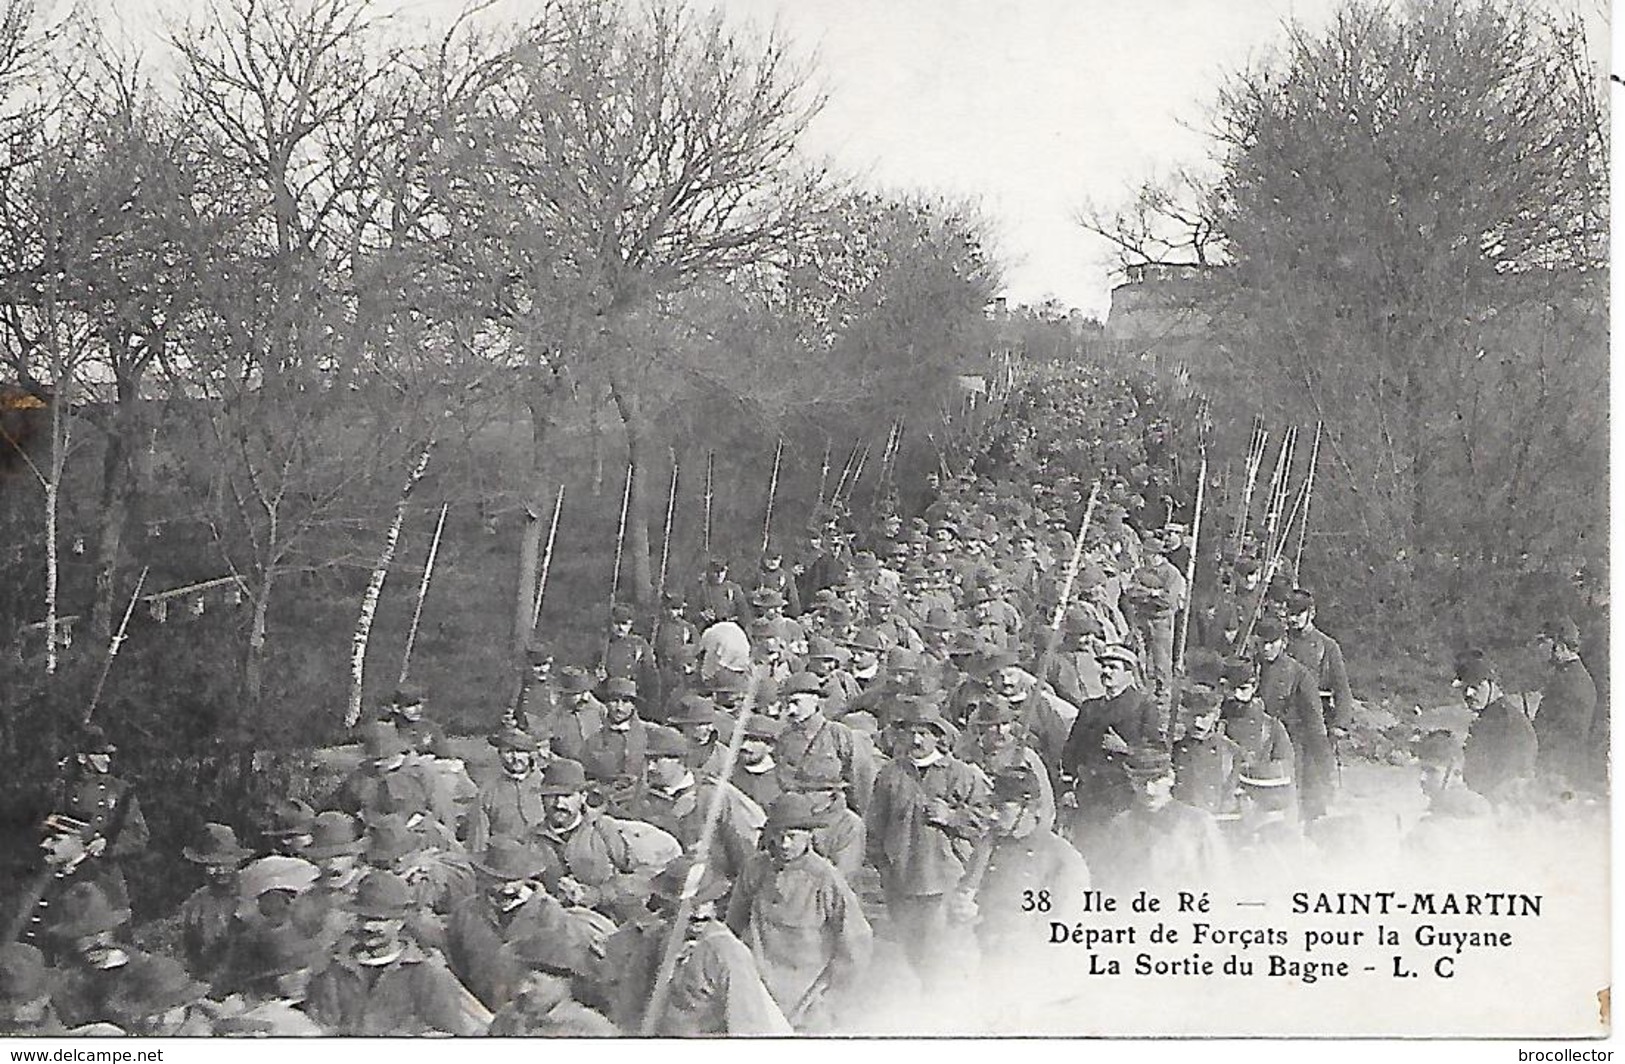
(1039,860)
(111,810)
(1292,695)
(1501,748)
(1563,722)
(1206,772)
(1321,655)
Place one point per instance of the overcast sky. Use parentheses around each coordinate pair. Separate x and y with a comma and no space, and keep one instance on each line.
(1030,107)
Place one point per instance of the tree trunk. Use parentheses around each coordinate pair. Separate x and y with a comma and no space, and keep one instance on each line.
(630,406)
(254,658)
(118,487)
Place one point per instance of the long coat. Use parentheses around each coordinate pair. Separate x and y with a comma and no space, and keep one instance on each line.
(507,807)
(800,921)
(1292,695)
(818,737)
(1563,722)
(918,853)
(1501,749)
(476,933)
(615,859)
(716,988)
(1323,657)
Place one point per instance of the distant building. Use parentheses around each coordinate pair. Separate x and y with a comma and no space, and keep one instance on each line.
(1159,304)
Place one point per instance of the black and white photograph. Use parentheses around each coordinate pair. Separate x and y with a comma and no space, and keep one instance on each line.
(808,519)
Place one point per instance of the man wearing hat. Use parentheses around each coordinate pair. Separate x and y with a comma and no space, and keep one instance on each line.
(773,576)
(756,773)
(1018,858)
(1046,718)
(509,805)
(1159,841)
(540,699)
(114,827)
(1500,755)
(1206,761)
(1292,696)
(385,780)
(1568,704)
(1448,825)
(990,622)
(545,1000)
(436,870)
(580,717)
(208,914)
(996,740)
(617,750)
(724,648)
(928,808)
(158,999)
(799,918)
(602,862)
(93,967)
(705,728)
(677,800)
(1266,834)
(510,904)
(1100,739)
(628,655)
(675,639)
(406,712)
(840,835)
(809,733)
(287,830)
(769,604)
(383,982)
(1155,596)
(827,661)
(1322,656)
(336,849)
(26,986)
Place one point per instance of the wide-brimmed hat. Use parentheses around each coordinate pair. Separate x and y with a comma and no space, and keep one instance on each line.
(902,659)
(383,895)
(276,951)
(562,952)
(914,712)
(866,639)
(24,976)
(334,833)
(820,647)
(152,984)
(216,844)
(801,683)
(389,840)
(289,816)
(619,688)
(685,878)
(85,910)
(767,598)
(991,709)
(510,859)
(694,709)
(792,812)
(993,659)
(563,776)
(759,726)
(511,739)
(276,872)
(663,742)
(938,619)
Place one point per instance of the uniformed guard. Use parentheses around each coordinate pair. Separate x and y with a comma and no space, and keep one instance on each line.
(1499,757)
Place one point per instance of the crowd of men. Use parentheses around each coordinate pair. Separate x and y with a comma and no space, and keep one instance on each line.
(702,831)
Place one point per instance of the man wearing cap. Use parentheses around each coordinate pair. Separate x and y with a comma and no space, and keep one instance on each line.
(715,988)
(1017,859)
(799,918)
(773,576)
(602,862)
(1499,759)
(208,914)
(406,712)
(677,800)
(510,904)
(1292,696)
(757,773)
(927,810)
(770,604)
(840,835)
(1206,761)
(627,655)
(1322,656)
(719,599)
(1568,702)
(509,805)
(1046,718)
(1261,739)
(1155,596)
(384,781)
(580,718)
(808,733)
(996,740)
(382,982)
(1160,841)
(1099,742)
(675,639)
(1266,832)
(617,751)
(114,827)
(991,623)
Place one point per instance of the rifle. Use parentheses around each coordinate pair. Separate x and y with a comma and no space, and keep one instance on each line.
(1309,489)
(1190,565)
(547,560)
(112,648)
(423,592)
(620,544)
(772,490)
(1255,458)
(1072,569)
(823,476)
(665,541)
(710,471)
